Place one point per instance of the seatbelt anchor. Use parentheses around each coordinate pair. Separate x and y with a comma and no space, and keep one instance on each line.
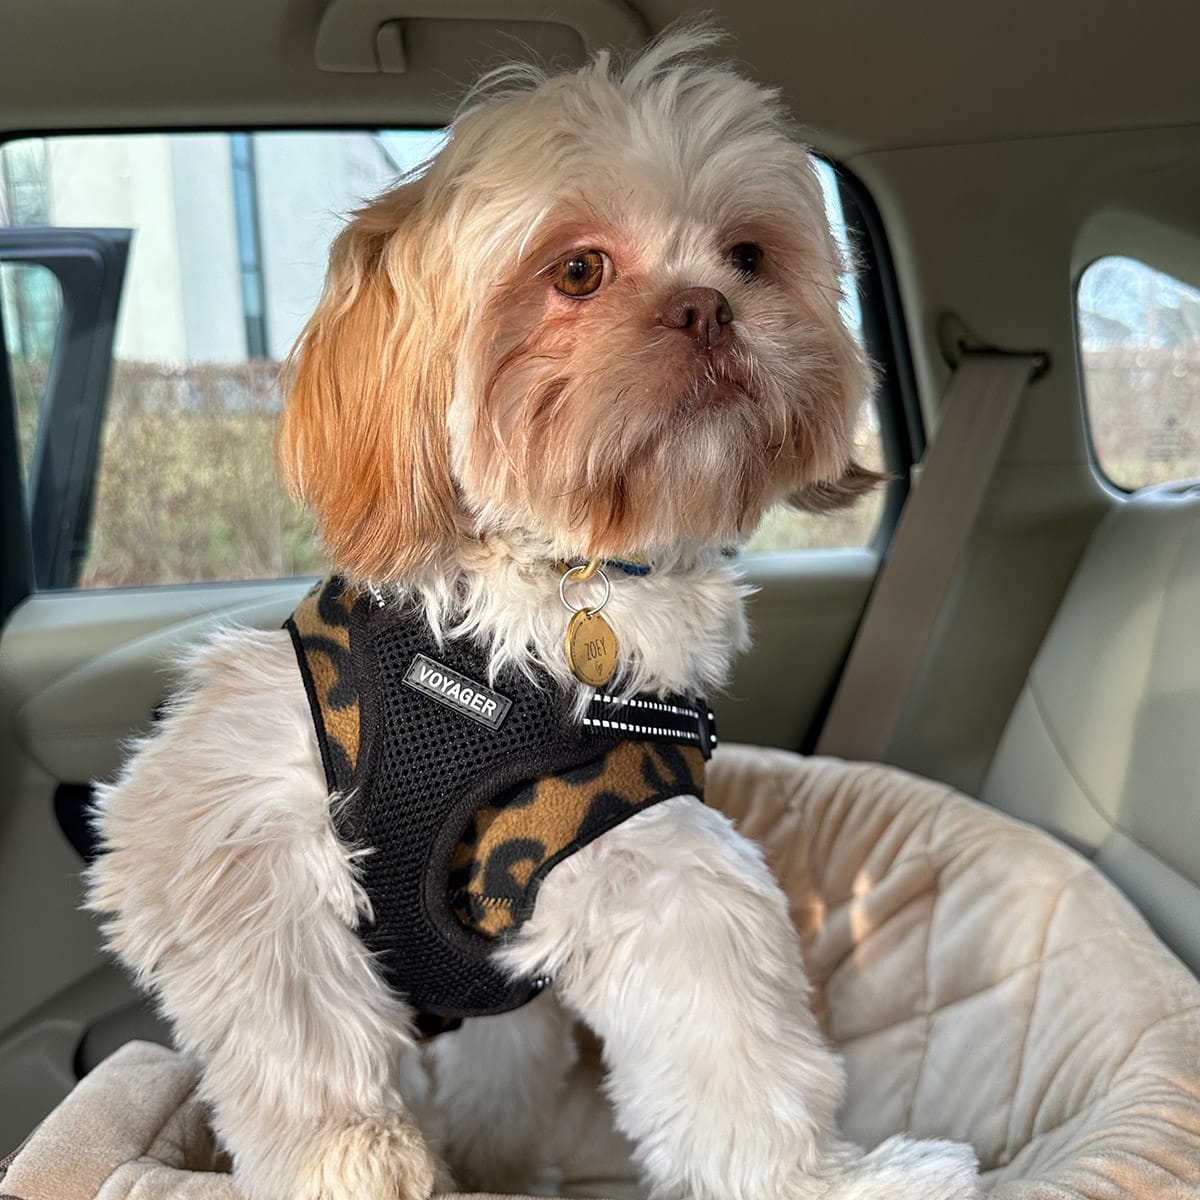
(956,340)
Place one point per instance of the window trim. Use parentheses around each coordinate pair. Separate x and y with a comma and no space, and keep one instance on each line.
(56,505)
(16,551)
(885,335)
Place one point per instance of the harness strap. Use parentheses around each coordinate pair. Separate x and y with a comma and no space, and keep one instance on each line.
(651,719)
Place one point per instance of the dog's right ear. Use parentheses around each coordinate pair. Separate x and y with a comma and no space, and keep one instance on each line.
(834,494)
(363,439)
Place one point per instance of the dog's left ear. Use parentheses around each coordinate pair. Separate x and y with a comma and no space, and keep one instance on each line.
(362,439)
(830,495)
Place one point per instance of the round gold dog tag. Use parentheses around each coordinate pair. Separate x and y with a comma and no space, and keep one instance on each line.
(591,648)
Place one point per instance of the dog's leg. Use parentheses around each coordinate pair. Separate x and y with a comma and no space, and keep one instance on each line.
(670,937)
(499,1086)
(231,898)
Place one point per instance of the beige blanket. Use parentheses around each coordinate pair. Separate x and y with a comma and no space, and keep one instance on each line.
(983,982)
(134,1130)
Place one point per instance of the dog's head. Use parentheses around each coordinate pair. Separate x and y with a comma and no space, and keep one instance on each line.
(606,314)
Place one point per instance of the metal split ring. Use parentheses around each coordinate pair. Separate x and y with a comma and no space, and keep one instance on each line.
(584,572)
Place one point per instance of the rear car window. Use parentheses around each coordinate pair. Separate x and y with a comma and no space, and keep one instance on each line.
(228,236)
(1139,342)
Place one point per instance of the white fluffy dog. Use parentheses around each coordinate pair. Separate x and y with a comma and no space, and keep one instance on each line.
(603,322)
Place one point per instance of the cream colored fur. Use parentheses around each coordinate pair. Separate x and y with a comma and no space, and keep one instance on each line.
(235,904)
(679,627)
(432,440)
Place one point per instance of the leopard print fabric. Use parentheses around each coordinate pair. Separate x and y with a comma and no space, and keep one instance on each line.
(512,843)
(320,629)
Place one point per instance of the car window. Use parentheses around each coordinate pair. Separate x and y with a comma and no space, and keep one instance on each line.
(785,528)
(230,238)
(1139,342)
(231,233)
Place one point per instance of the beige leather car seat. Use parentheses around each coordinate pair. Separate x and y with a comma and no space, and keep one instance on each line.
(1103,746)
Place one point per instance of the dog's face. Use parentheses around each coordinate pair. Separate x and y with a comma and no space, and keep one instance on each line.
(606,315)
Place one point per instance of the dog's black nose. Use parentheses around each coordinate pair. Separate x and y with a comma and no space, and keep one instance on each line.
(704,313)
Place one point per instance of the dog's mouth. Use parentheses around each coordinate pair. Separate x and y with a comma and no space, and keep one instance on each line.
(715,395)
(716,384)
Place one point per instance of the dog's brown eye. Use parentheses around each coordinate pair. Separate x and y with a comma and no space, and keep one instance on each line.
(582,274)
(746,257)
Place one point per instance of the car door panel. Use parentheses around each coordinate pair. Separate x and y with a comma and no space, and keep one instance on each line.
(74,725)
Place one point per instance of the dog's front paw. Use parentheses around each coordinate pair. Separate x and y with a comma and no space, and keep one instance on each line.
(383,1158)
(905,1169)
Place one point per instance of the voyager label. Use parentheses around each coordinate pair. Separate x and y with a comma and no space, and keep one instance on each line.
(456,691)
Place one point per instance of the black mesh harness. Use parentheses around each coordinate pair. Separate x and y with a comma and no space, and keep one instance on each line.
(421,745)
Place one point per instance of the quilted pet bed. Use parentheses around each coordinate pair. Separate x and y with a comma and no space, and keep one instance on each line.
(983,982)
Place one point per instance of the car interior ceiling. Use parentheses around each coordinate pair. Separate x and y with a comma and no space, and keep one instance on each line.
(999,151)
